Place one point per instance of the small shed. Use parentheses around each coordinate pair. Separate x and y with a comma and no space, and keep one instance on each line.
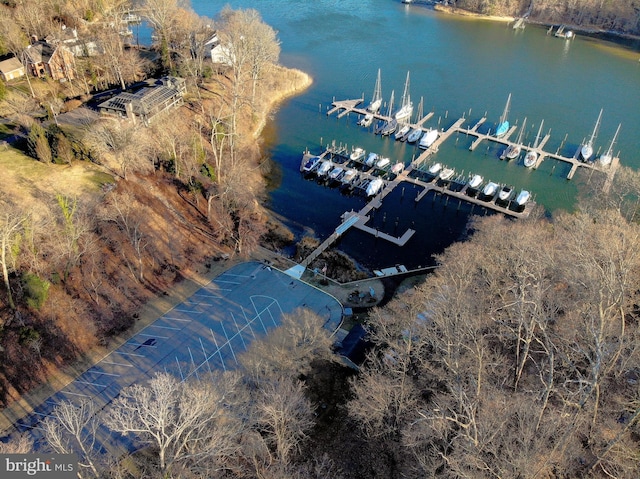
(11,69)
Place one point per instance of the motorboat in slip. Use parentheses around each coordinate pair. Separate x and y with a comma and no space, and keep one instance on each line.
(357,154)
(382,162)
(446,173)
(428,139)
(475,182)
(397,168)
(371,159)
(374,186)
(310,164)
(349,175)
(366,120)
(490,190)
(414,135)
(336,173)
(506,194)
(324,168)
(523,198)
(435,168)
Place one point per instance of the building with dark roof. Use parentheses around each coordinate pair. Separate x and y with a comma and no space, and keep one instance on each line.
(46,59)
(146,103)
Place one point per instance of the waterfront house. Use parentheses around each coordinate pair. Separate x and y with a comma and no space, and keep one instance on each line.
(146,103)
(219,54)
(11,68)
(46,59)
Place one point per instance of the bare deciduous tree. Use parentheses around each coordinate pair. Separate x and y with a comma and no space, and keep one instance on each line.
(72,428)
(11,224)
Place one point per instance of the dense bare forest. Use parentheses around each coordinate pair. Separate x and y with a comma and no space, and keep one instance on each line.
(518,358)
(611,15)
(100,215)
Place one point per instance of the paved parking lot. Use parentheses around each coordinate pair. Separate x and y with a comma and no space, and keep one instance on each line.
(205,332)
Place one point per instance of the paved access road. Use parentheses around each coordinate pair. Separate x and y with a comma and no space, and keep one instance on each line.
(205,332)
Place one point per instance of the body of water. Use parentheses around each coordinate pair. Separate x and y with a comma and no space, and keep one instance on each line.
(459,66)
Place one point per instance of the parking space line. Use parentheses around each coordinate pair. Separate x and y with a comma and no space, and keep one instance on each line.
(75,394)
(42,414)
(153,336)
(164,327)
(184,310)
(204,353)
(117,364)
(131,354)
(104,374)
(239,332)
(90,383)
(175,319)
(218,348)
(139,345)
(223,281)
(233,353)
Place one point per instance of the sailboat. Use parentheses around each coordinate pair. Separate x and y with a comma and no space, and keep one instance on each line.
(415,134)
(503,124)
(390,125)
(376,100)
(406,108)
(607,156)
(587,149)
(514,149)
(531,157)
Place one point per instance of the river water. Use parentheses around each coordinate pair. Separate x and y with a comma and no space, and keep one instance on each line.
(459,66)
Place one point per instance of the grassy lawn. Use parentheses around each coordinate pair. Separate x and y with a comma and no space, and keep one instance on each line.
(28,182)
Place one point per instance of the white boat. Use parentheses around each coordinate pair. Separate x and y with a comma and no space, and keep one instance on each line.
(382,162)
(505,194)
(446,173)
(374,186)
(416,132)
(475,182)
(607,156)
(310,164)
(376,99)
(397,168)
(336,172)
(522,197)
(503,124)
(324,168)
(531,158)
(435,168)
(357,154)
(490,189)
(406,107)
(562,33)
(513,150)
(349,175)
(428,139)
(371,159)
(366,120)
(586,151)
(402,132)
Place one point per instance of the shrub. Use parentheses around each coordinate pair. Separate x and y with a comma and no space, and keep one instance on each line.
(36,290)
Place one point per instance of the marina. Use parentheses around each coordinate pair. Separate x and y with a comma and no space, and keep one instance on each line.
(345,107)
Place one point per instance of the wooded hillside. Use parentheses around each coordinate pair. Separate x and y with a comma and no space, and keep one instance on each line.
(615,15)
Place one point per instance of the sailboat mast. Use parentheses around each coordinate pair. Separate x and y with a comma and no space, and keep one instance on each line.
(610,150)
(595,129)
